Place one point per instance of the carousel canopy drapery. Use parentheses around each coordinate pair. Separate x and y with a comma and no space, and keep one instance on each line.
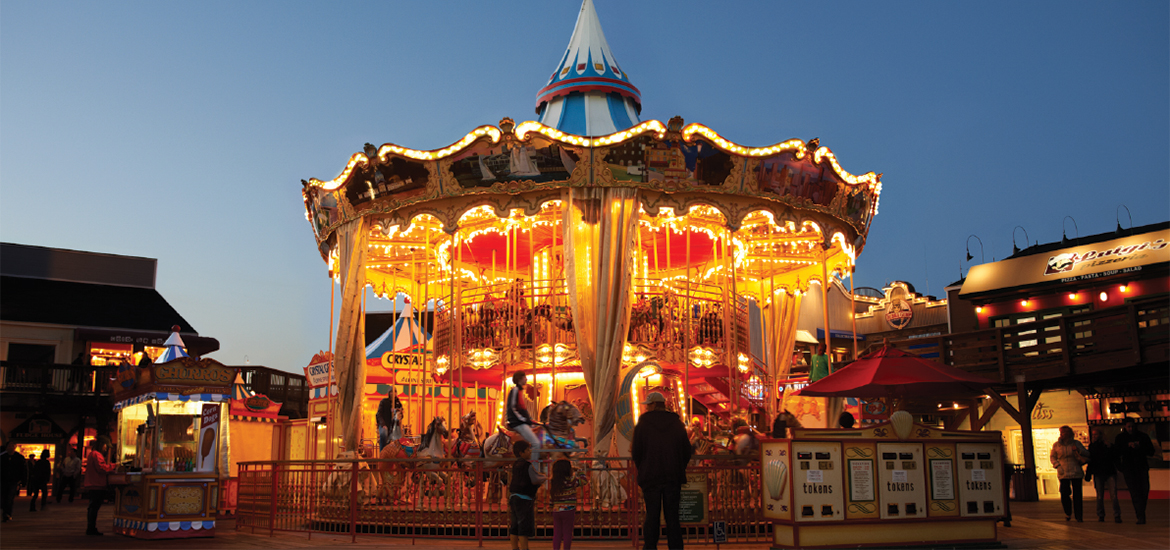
(599,243)
(350,354)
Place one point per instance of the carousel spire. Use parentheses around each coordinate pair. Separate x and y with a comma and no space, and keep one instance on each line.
(589,94)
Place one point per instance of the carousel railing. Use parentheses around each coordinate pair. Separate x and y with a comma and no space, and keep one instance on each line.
(449,498)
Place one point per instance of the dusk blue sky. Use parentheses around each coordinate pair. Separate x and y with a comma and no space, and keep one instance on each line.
(181,130)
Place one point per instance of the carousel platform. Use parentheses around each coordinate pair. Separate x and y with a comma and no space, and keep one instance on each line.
(1038,525)
(1034,526)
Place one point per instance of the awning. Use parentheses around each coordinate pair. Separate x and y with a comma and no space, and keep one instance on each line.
(805,337)
(848,335)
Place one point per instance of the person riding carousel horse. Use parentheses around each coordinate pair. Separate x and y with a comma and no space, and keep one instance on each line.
(389,421)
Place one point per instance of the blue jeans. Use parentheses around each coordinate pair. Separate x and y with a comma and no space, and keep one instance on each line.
(526,432)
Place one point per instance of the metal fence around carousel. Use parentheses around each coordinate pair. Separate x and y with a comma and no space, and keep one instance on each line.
(445,498)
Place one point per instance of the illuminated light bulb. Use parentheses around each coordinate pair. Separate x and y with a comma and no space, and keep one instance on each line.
(1024,303)
(1124,288)
(1072,296)
(979,309)
(1104,296)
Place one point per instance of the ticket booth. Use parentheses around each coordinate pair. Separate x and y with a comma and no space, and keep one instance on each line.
(171,439)
(877,486)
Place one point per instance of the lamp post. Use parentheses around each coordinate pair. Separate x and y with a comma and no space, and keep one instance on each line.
(1015,248)
(1127,213)
(1063,235)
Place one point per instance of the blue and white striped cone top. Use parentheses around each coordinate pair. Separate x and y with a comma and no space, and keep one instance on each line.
(175,348)
(589,94)
(240,392)
(405,335)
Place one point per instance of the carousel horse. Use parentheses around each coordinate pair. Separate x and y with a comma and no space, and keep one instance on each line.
(645,322)
(545,311)
(745,445)
(431,445)
(498,457)
(608,484)
(337,483)
(466,443)
(558,432)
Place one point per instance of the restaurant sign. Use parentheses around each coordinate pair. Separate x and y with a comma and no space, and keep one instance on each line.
(899,313)
(1107,408)
(38,428)
(1077,263)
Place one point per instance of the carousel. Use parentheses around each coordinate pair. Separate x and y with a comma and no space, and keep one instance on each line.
(603,255)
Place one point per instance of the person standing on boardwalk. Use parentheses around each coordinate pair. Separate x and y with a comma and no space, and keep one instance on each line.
(96,484)
(1068,455)
(820,364)
(1103,474)
(1133,447)
(9,480)
(42,472)
(526,480)
(562,496)
(661,452)
(69,474)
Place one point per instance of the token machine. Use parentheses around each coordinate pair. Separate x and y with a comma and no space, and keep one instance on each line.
(884,485)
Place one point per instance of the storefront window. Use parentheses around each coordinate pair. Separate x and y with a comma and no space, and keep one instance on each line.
(169,445)
(35,449)
(110,354)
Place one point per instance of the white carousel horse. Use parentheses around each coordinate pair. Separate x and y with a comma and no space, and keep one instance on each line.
(498,457)
(337,483)
(431,445)
(608,485)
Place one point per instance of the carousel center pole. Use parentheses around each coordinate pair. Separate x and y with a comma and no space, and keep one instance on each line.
(422,315)
(451,339)
(456,359)
(687,318)
(825,306)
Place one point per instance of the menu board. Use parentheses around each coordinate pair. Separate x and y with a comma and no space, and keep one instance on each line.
(861,480)
(692,506)
(942,485)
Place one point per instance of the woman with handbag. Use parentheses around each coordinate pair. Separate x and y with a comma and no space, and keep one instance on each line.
(1068,456)
(96,485)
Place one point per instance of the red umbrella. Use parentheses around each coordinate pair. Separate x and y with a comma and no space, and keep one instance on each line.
(891,372)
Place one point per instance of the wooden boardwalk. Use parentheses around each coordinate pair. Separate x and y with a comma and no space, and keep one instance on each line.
(1038,525)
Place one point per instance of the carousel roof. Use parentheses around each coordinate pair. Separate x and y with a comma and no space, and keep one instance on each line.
(588,94)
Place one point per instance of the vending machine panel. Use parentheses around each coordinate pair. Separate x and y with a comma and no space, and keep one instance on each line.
(818,481)
(981,479)
(901,480)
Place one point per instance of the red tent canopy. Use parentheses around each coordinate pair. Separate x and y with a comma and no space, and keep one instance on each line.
(891,372)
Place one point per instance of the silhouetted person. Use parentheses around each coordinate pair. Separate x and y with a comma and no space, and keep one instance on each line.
(1133,447)
(42,472)
(661,451)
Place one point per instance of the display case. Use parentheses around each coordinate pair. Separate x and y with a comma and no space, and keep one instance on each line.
(170,440)
(878,486)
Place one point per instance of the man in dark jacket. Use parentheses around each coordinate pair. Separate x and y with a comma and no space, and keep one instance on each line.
(661,451)
(1133,447)
(39,476)
(9,481)
(1103,474)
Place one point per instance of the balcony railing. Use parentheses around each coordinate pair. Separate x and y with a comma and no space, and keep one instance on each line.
(1133,334)
(55,379)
